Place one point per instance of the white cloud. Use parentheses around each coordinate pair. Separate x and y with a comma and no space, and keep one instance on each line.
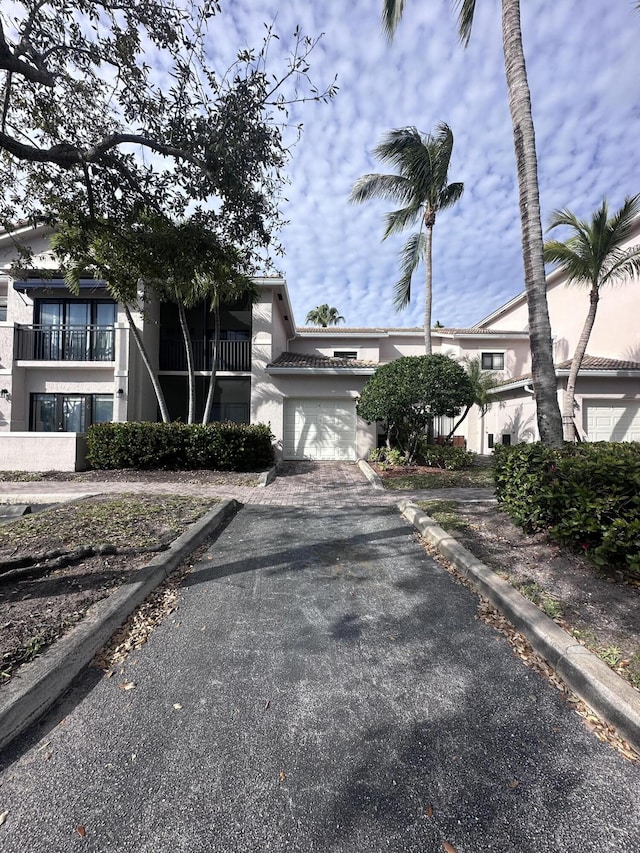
(584,72)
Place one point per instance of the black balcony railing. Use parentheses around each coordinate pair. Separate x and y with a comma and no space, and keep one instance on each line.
(232,355)
(64,343)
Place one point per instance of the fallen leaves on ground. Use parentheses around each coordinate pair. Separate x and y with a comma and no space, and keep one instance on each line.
(3,816)
(136,630)
(523,649)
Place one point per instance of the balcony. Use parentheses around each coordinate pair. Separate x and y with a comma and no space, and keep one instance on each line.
(64,343)
(234,356)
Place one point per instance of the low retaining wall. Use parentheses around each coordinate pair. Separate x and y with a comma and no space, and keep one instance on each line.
(43,451)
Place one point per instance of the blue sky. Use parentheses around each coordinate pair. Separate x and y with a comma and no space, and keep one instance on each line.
(583,64)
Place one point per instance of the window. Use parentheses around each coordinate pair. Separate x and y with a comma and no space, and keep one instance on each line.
(74,329)
(351,354)
(3,308)
(493,361)
(69,412)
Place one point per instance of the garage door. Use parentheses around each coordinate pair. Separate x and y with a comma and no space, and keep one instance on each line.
(612,422)
(319,429)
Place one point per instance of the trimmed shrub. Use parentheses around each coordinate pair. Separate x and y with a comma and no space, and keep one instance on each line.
(144,445)
(444,456)
(388,457)
(586,496)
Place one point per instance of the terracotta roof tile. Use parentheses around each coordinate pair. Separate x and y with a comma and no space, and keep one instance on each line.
(298,359)
(589,362)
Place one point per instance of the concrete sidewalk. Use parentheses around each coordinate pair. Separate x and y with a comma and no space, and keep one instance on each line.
(324,686)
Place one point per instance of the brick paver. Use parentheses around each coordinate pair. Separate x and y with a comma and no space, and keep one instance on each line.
(310,484)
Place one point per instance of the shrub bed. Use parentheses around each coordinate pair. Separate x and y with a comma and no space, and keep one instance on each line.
(216,446)
(586,496)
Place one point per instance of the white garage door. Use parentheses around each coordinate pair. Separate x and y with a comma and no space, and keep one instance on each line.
(319,429)
(606,421)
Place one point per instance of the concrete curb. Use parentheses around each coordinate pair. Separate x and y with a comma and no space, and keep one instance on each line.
(38,684)
(589,677)
(45,497)
(371,475)
(267,477)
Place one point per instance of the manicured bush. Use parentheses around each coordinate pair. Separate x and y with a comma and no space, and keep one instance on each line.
(143,445)
(444,456)
(387,457)
(586,496)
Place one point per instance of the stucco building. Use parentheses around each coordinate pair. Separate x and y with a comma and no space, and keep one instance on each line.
(67,361)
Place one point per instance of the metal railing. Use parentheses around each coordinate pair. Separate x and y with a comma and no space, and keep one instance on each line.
(232,355)
(64,343)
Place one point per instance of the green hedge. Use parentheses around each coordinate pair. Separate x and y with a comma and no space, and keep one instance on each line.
(217,446)
(586,496)
(444,456)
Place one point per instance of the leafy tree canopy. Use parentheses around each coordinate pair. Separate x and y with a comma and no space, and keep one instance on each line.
(109,109)
(409,392)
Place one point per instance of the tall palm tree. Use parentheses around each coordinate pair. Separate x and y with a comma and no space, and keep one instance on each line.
(592,256)
(422,189)
(324,316)
(544,378)
(483,382)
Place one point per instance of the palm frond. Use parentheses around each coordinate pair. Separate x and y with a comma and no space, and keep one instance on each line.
(399,220)
(621,264)
(399,146)
(391,13)
(450,195)
(394,187)
(466,10)
(410,256)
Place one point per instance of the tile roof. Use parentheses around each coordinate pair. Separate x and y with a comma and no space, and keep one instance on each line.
(589,362)
(298,359)
(417,330)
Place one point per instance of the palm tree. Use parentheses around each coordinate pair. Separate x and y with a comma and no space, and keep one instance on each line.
(544,378)
(591,255)
(324,316)
(483,382)
(422,189)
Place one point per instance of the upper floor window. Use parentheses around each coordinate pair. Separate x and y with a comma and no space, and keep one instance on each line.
(3,308)
(345,353)
(75,312)
(493,361)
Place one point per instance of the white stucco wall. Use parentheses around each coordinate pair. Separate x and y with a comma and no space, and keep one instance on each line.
(43,451)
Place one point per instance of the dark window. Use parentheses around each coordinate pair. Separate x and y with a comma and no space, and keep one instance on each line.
(3,308)
(493,361)
(69,412)
(490,439)
(506,438)
(74,329)
(345,353)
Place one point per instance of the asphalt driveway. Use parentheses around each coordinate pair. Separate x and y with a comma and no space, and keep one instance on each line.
(324,686)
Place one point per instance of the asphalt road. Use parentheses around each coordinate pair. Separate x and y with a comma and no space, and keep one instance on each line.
(324,686)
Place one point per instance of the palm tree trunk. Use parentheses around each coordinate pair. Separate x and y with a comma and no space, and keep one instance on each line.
(164,412)
(544,378)
(568,423)
(428,285)
(214,366)
(191,374)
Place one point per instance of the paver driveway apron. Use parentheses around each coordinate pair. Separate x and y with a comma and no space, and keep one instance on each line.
(324,686)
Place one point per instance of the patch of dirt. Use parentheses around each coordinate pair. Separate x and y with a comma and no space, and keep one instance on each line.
(130,475)
(602,612)
(47,582)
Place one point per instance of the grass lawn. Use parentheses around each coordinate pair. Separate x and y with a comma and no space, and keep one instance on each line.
(477,477)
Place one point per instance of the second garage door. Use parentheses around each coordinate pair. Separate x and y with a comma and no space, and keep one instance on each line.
(605,421)
(319,429)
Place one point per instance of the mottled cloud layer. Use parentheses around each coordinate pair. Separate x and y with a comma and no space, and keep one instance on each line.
(584,71)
